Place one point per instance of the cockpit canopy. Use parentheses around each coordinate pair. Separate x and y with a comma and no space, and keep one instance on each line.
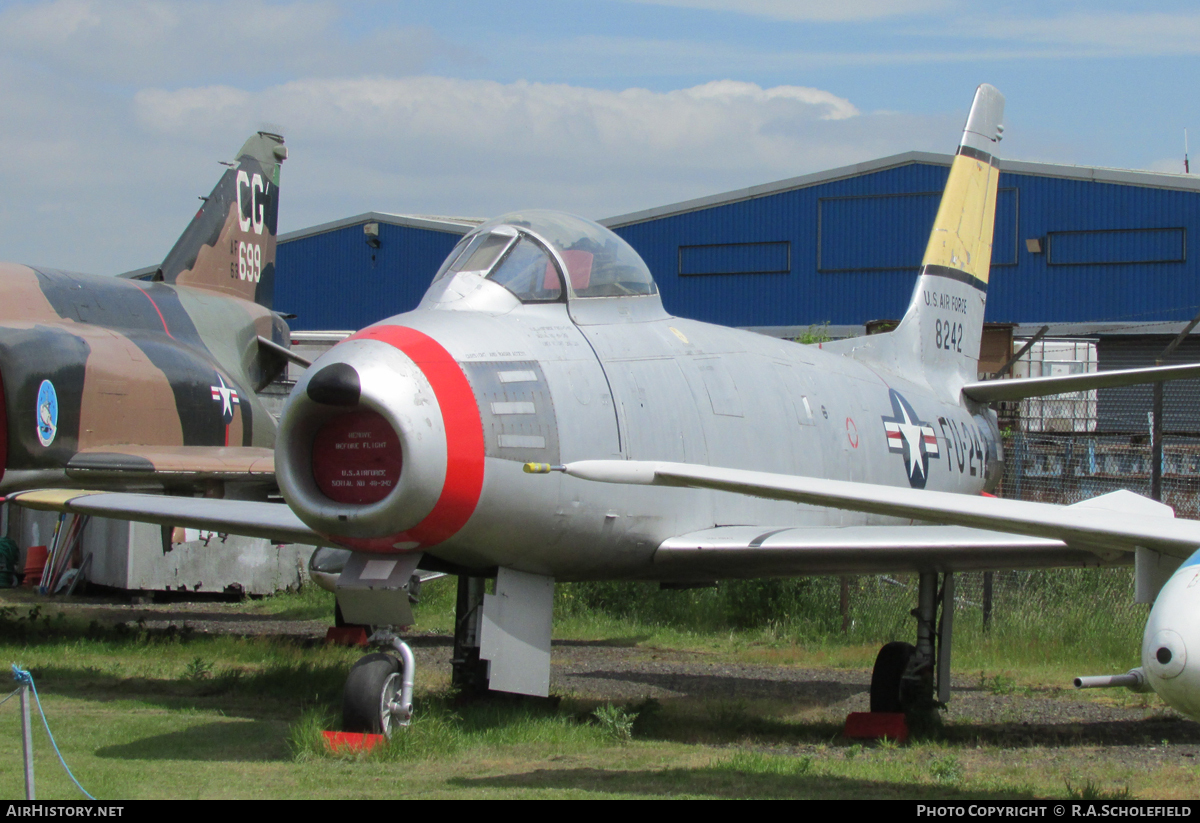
(547,256)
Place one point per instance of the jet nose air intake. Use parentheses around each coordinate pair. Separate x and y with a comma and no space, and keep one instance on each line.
(356,458)
(380,447)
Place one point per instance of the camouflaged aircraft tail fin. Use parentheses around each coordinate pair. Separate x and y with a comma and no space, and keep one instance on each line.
(229,247)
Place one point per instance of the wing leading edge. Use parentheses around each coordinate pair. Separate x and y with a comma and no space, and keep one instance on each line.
(274,521)
(1108,525)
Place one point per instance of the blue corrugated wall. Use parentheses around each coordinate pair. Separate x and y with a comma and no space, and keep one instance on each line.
(855,228)
(852,245)
(334,280)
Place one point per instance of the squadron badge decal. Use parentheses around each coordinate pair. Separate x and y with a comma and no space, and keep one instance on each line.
(911,437)
(47,413)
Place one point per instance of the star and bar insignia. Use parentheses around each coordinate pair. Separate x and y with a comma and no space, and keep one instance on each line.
(227,397)
(913,438)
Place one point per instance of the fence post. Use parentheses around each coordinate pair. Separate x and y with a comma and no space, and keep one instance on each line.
(27,741)
(1156,444)
(987,601)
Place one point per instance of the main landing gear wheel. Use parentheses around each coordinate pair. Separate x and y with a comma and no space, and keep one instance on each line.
(370,702)
(890,664)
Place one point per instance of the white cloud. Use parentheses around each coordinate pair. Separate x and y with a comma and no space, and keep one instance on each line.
(107,183)
(238,41)
(815,10)
(432,144)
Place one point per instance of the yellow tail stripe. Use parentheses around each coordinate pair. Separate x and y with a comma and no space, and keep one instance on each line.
(962,233)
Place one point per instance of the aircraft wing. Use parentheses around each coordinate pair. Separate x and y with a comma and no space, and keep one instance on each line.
(158,464)
(1107,525)
(273,521)
(754,551)
(989,391)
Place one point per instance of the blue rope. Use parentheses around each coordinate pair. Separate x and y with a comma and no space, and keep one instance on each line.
(26,678)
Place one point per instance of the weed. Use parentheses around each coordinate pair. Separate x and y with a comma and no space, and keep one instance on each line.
(199,669)
(815,334)
(946,769)
(616,722)
(887,744)
(1000,684)
(1092,791)
(854,751)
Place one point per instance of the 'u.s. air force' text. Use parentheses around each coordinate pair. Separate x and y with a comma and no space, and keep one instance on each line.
(949,302)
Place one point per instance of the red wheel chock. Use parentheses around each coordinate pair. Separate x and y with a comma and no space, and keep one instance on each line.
(876,725)
(346,635)
(352,741)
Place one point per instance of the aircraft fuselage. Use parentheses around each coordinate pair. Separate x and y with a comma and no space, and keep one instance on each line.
(616,378)
(93,365)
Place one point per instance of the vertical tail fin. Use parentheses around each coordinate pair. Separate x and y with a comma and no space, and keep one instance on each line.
(940,334)
(937,341)
(229,247)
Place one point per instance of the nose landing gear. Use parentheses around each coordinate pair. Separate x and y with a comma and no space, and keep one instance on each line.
(378,695)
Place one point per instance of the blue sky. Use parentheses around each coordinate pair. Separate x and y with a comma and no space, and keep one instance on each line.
(116,112)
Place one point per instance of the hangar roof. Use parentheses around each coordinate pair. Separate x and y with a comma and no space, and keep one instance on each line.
(1161,180)
(452,225)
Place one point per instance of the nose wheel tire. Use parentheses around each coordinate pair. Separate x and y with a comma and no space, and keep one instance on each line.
(890,664)
(371,699)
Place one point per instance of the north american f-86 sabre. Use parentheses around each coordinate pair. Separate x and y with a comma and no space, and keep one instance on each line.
(540,417)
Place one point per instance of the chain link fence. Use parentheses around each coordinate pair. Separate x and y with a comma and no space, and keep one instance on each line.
(1059,449)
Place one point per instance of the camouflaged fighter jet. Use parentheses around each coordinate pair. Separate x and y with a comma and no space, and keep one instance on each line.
(112,381)
(539,417)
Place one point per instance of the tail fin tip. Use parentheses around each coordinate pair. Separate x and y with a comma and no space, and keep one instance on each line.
(229,247)
(985,127)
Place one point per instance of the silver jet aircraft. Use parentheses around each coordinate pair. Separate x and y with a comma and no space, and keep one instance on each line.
(540,417)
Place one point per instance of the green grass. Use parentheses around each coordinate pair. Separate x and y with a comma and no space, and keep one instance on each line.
(183,715)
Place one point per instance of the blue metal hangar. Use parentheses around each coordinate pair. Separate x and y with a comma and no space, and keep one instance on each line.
(1073,244)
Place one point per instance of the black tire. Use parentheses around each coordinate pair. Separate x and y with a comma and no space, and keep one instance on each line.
(373,681)
(885,677)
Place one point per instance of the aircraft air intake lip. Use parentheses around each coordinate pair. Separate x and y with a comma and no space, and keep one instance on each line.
(337,384)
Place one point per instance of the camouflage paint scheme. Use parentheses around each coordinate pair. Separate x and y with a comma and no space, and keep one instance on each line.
(153,379)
